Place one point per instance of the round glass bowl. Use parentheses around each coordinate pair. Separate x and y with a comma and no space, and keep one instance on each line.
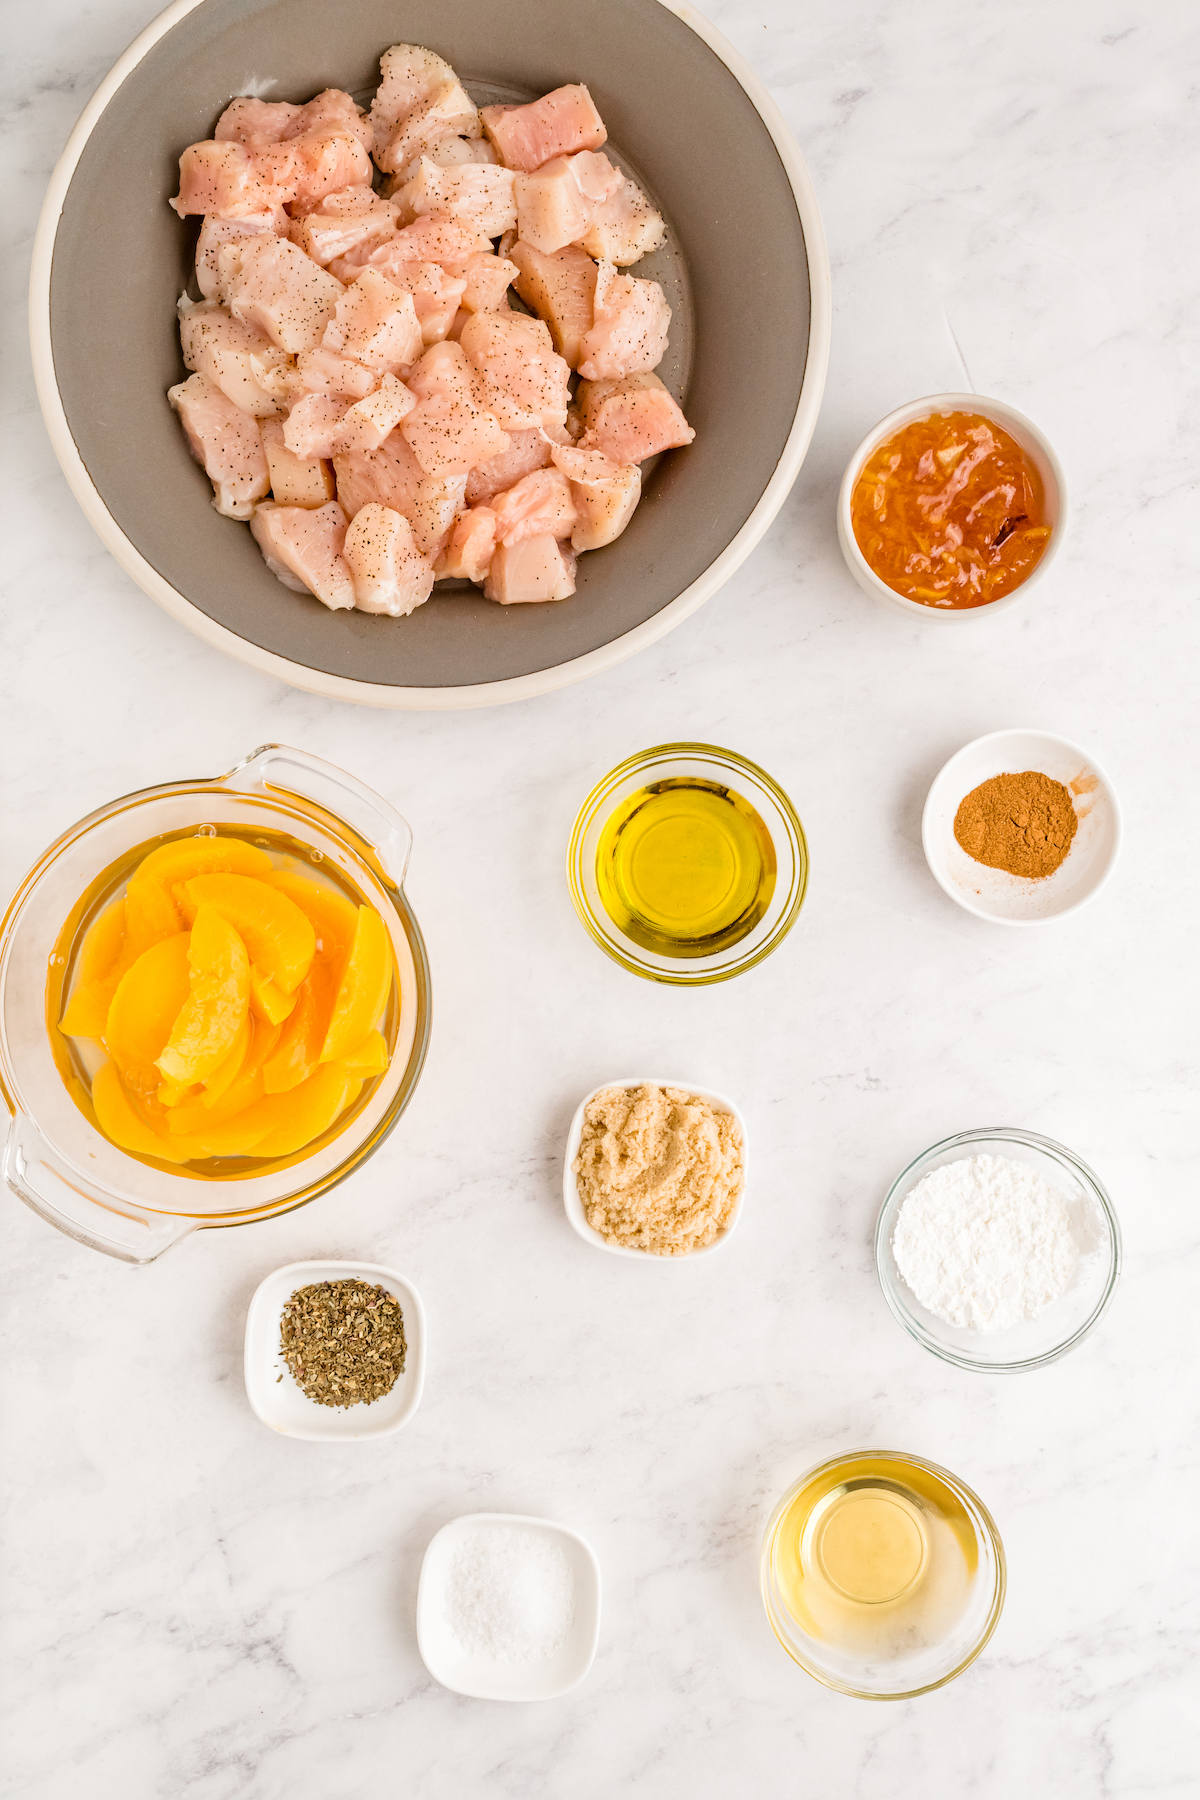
(55,1158)
(1037,448)
(1063,1324)
(928,1642)
(664,764)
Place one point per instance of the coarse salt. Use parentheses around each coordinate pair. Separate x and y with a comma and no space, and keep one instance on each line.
(510,1595)
(985,1243)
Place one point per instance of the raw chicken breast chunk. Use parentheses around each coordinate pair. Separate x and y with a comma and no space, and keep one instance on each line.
(217,231)
(487,283)
(471,546)
(272,284)
(605,495)
(239,358)
(539,505)
(449,436)
(393,477)
(559,203)
(628,334)
(232,181)
(524,378)
(561,289)
(354,218)
(625,227)
(419,102)
(389,574)
(252,122)
(313,426)
(629,420)
(365,424)
(225,441)
(256,123)
(480,195)
(527,451)
(295,481)
(537,568)
(323,371)
(374,322)
(305,544)
(558,124)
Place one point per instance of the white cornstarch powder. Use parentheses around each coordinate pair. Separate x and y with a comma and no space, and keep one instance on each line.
(985,1243)
(510,1595)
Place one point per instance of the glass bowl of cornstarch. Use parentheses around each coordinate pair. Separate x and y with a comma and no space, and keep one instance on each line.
(998,1249)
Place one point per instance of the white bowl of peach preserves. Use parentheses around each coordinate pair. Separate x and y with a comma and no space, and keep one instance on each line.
(654,1169)
(956,502)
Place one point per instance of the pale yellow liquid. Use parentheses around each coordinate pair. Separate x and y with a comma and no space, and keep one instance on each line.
(876,1557)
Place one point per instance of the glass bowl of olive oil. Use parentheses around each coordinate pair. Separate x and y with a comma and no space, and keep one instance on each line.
(883,1575)
(687,864)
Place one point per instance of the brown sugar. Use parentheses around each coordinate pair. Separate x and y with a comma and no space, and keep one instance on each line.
(1021,823)
(658,1169)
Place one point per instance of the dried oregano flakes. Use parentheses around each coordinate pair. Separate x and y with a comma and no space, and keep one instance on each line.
(343,1341)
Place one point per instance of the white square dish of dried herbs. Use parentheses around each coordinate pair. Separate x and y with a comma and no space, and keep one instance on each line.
(279,1398)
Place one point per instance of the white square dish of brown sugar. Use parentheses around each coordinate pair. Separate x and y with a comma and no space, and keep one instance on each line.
(655,1169)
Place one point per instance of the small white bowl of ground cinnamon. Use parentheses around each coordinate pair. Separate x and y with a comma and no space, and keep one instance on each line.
(655,1169)
(1021,827)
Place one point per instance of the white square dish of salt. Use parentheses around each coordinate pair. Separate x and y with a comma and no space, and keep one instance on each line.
(508,1607)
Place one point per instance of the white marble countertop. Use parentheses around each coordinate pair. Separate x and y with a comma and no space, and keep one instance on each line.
(194,1605)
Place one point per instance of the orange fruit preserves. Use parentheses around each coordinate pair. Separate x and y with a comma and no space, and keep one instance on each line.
(235,1005)
(949,511)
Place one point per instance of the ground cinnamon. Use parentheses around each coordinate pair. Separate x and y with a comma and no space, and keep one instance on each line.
(1021,823)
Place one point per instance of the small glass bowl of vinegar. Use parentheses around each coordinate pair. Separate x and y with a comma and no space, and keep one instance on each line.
(687,864)
(882,1575)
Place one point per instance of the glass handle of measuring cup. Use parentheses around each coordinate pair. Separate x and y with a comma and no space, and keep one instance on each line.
(277,766)
(65,1198)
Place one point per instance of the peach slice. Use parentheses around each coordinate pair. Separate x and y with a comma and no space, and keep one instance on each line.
(87,1011)
(279,939)
(299,1048)
(120,1120)
(108,952)
(370,1057)
(268,1002)
(144,1009)
(228,1070)
(247,1087)
(334,917)
(173,1093)
(103,944)
(181,859)
(219,994)
(172,865)
(150,916)
(303,1113)
(364,987)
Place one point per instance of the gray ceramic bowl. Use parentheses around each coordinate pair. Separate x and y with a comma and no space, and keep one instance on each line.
(745,269)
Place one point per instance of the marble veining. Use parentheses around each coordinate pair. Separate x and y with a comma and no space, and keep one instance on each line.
(193,1605)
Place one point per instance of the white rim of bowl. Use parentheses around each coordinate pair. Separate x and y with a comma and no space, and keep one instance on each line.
(541,1524)
(1015,1134)
(1050,737)
(486,693)
(574,1205)
(857,563)
(361,1269)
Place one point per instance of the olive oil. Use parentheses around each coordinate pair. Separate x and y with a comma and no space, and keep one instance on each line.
(685,867)
(875,1557)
